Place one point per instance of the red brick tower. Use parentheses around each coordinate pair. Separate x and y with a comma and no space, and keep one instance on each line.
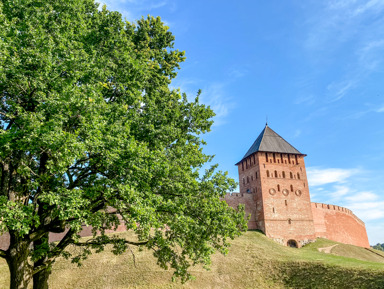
(273,171)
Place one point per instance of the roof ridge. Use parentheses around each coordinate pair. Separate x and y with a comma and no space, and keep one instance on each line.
(284,139)
(270,141)
(266,125)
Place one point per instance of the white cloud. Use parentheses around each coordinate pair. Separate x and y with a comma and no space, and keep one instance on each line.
(367,210)
(340,186)
(135,9)
(238,73)
(339,192)
(320,177)
(362,197)
(297,133)
(215,96)
(374,5)
(339,89)
(350,33)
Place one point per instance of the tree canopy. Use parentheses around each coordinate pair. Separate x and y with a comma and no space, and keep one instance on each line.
(379,246)
(92,134)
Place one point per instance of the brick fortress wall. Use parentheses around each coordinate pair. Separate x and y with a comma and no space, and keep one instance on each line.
(54,237)
(339,224)
(274,189)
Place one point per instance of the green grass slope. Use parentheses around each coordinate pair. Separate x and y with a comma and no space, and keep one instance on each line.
(254,261)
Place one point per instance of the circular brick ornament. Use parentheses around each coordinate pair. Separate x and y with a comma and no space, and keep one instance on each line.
(298,193)
(285,192)
(272,191)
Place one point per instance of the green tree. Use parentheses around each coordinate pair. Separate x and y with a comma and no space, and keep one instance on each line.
(92,134)
(379,246)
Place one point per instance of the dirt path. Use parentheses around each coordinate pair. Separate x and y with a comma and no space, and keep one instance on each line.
(327,249)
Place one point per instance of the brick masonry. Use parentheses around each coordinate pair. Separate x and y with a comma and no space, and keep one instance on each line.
(274,190)
(54,237)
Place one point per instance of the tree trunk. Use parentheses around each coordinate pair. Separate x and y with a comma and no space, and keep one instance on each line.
(40,279)
(19,268)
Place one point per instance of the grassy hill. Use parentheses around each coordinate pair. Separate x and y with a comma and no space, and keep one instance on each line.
(254,261)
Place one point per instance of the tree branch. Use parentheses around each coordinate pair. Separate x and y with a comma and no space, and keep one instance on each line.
(3,254)
(106,242)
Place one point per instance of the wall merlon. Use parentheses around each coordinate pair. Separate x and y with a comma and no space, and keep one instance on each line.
(337,208)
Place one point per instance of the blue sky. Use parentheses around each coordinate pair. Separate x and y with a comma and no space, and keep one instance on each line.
(315,68)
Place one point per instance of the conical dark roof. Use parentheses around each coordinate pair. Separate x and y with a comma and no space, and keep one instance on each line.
(270,141)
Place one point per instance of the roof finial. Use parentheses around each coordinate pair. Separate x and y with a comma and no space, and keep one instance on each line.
(266,121)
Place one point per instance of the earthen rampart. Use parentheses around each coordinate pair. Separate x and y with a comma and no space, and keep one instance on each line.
(339,224)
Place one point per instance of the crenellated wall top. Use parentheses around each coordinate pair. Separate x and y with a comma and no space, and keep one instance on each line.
(337,208)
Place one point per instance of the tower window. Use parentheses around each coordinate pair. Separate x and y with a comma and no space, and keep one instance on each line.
(267,174)
(286,203)
(298,176)
(289,221)
(296,160)
(274,158)
(266,157)
(273,210)
(283,174)
(275,174)
(278,188)
(291,188)
(252,178)
(256,175)
(291,175)
(289,159)
(242,166)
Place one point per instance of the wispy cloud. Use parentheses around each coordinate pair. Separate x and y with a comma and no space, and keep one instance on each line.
(338,192)
(297,133)
(362,197)
(213,94)
(135,9)
(381,109)
(340,187)
(367,210)
(320,177)
(338,90)
(351,34)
